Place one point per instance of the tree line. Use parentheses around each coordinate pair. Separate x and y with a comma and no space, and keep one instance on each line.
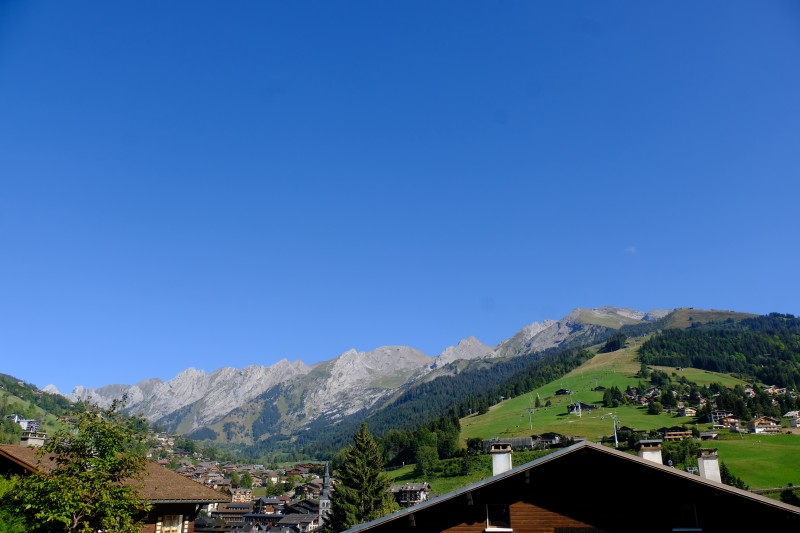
(765,348)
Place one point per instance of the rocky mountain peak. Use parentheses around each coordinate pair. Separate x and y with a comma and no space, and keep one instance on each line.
(469,348)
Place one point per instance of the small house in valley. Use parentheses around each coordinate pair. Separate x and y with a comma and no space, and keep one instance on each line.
(410,493)
(765,424)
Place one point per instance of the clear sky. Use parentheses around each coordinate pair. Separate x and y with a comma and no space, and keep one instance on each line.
(208,184)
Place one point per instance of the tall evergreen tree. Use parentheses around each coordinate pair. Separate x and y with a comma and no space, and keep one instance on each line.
(362,493)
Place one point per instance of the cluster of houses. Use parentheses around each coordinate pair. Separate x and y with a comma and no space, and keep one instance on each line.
(281,514)
(218,475)
(300,509)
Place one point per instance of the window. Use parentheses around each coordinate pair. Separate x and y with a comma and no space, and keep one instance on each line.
(171,523)
(498,518)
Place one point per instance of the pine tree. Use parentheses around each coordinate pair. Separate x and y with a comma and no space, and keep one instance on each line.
(362,493)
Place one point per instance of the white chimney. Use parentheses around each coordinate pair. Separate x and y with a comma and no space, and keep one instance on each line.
(501,457)
(708,464)
(650,450)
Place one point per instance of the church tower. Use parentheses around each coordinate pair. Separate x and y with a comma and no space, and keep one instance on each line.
(325,497)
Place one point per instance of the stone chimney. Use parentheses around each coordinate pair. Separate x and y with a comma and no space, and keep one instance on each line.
(650,450)
(501,457)
(708,464)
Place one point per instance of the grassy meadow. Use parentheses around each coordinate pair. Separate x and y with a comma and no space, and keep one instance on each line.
(762,461)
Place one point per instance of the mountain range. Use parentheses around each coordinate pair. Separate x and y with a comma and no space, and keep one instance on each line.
(258,402)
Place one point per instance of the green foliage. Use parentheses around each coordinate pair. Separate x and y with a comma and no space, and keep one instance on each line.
(613,397)
(10,432)
(52,403)
(426,460)
(10,521)
(85,491)
(655,408)
(616,342)
(441,436)
(362,493)
(766,348)
(682,453)
(729,478)
(789,496)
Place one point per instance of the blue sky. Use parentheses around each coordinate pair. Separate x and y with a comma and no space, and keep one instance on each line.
(209,184)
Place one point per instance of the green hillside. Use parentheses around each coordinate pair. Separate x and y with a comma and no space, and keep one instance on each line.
(26,400)
(762,461)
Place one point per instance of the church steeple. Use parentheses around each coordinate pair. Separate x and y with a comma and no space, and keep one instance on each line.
(325,497)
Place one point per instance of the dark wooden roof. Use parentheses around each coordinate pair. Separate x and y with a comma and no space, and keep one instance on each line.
(158,485)
(552,482)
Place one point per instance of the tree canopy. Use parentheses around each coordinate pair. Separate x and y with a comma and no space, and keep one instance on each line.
(92,482)
(362,493)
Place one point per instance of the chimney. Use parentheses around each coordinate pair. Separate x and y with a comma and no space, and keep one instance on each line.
(708,464)
(650,450)
(501,457)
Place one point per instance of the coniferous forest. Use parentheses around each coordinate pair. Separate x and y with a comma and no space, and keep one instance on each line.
(764,348)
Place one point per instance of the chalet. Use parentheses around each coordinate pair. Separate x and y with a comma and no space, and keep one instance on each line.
(312,489)
(241,495)
(27,424)
(730,422)
(300,522)
(232,513)
(270,476)
(410,493)
(546,440)
(765,424)
(175,501)
(563,392)
(577,408)
(266,512)
(303,507)
(518,443)
(539,497)
(675,433)
(719,415)
(773,390)
(792,415)
(296,472)
(688,411)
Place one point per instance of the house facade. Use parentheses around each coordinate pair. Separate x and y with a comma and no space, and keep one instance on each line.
(580,489)
(410,493)
(765,424)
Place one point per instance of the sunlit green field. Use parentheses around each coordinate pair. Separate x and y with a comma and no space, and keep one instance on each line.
(512,418)
(762,461)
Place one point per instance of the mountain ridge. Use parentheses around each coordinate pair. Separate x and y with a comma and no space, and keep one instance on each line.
(285,397)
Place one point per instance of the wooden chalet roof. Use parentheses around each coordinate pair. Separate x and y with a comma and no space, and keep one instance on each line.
(552,481)
(159,484)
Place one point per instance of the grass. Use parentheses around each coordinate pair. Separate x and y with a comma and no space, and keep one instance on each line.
(440,484)
(510,418)
(13,404)
(762,461)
